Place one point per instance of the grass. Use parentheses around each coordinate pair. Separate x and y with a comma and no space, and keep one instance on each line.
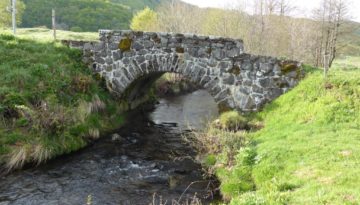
(307,151)
(44,34)
(50,103)
(348,62)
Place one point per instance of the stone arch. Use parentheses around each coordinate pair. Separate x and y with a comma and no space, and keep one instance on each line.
(139,72)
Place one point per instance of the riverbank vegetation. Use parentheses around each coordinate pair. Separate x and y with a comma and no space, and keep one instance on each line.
(306,152)
(170,84)
(50,103)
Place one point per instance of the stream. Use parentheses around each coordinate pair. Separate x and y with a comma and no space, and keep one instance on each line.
(147,161)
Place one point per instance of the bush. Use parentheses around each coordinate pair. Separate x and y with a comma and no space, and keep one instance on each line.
(210,160)
(232,120)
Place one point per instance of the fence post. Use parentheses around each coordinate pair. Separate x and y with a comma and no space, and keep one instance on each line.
(54,23)
(13,10)
(326,64)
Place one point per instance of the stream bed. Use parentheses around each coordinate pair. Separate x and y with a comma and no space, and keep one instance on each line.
(147,161)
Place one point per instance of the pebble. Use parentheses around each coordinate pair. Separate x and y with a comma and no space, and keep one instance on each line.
(116,137)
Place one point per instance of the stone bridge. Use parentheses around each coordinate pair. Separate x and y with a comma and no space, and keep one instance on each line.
(131,61)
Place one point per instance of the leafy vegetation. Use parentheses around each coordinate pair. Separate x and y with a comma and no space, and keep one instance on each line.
(307,152)
(139,4)
(5,15)
(144,20)
(50,103)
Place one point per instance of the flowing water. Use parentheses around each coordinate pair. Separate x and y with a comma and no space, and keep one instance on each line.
(145,162)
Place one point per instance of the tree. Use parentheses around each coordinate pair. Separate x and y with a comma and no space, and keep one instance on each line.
(144,20)
(178,17)
(331,15)
(5,16)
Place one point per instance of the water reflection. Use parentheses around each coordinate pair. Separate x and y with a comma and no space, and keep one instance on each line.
(188,111)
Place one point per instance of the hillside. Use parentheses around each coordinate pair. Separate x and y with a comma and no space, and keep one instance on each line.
(83,15)
(77,15)
(307,152)
(349,43)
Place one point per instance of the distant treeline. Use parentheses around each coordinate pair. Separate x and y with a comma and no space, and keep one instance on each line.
(83,15)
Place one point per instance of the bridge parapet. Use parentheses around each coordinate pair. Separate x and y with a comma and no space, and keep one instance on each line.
(191,44)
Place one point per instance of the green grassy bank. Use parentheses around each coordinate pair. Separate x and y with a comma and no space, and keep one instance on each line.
(307,151)
(44,34)
(50,103)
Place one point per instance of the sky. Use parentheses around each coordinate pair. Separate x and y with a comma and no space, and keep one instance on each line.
(304,7)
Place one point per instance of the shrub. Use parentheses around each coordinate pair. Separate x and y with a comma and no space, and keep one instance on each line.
(210,160)
(232,120)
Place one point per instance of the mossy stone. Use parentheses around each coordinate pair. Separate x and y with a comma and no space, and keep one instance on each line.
(288,67)
(235,70)
(156,39)
(109,68)
(180,50)
(223,107)
(125,44)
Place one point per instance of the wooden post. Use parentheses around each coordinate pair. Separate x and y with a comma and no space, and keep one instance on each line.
(326,64)
(54,23)
(13,10)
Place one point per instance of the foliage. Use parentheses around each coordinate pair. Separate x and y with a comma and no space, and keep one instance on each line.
(86,15)
(232,120)
(37,120)
(5,16)
(139,4)
(144,20)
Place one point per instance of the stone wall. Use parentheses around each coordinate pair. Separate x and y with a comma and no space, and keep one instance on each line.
(129,61)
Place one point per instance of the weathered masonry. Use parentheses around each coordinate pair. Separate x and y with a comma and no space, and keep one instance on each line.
(131,61)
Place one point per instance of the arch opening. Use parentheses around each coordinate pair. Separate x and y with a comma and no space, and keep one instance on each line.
(152,86)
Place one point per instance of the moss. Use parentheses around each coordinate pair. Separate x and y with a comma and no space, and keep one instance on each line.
(223,107)
(125,44)
(108,68)
(235,70)
(282,84)
(156,39)
(287,67)
(180,50)
(98,77)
